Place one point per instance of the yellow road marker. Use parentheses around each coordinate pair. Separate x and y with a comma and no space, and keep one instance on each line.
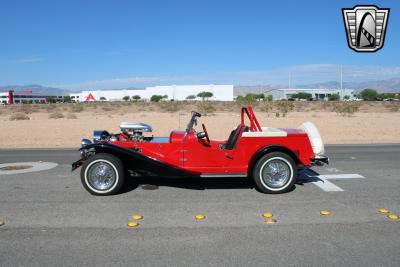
(393,217)
(137,217)
(383,210)
(269,221)
(2,222)
(200,217)
(133,224)
(353,158)
(324,212)
(40,161)
(267,215)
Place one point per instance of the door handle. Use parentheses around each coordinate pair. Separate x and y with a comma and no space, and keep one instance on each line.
(228,156)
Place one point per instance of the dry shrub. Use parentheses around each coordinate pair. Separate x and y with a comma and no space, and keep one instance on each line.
(27,109)
(266,106)
(225,106)
(346,108)
(18,116)
(56,115)
(171,106)
(77,108)
(71,116)
(284,107)
(205,107)
(108,108)
(393,107)
(50,107)
(328,106)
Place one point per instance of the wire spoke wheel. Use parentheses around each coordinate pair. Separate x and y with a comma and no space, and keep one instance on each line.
(275,173)
(101,176)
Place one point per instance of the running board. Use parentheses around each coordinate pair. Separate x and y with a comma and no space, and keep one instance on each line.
(217,175)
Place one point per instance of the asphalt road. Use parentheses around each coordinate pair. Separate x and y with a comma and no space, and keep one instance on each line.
(51,220)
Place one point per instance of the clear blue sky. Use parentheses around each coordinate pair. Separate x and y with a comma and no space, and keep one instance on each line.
(102,44)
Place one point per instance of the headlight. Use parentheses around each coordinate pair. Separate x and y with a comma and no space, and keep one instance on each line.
(85,142)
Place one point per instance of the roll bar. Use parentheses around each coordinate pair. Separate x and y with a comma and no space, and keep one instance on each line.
(254,125)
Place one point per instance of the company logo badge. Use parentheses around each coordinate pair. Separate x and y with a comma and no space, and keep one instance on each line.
(365,27)
(90,97)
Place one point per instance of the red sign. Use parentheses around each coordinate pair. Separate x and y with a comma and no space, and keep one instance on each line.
(25,92)
(10,97)
(90,97)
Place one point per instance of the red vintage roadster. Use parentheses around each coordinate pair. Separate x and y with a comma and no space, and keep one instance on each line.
(270,156)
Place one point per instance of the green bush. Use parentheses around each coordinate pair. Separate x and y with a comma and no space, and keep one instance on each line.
(268,98)
(51,100)
(302,95)
(334,97)
(156,98)
(191,97)
(136,98)
(205,95)
(67,99)
(369,94)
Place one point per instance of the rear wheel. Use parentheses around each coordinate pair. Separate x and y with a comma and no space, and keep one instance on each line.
(275,173)
(103,174)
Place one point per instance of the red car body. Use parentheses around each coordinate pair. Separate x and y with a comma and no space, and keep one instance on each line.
(188,153)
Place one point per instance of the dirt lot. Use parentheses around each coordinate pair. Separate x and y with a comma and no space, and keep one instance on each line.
(64,125)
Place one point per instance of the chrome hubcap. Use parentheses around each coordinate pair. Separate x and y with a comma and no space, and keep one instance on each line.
(101,176)
(276,173)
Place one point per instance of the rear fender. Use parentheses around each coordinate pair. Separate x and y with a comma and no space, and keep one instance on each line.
(271,148)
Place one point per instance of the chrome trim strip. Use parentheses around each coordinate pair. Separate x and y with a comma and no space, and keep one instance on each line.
(211,175)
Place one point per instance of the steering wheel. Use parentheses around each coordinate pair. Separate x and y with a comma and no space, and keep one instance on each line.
(205,133)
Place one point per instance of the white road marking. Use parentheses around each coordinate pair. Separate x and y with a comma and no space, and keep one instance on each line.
(332,170)
(340,176)
(328,186)
(34,167)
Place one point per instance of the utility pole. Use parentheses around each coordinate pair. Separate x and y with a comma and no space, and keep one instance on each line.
(341,80)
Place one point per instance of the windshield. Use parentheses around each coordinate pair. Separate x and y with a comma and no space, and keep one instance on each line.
(192,122)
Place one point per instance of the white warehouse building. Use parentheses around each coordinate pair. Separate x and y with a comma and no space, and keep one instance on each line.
(174,92)
(317,94)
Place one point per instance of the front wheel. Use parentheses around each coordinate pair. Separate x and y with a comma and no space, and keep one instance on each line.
(275,173)
(102,174)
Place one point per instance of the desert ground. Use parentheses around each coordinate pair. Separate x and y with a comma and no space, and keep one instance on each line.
(64,125)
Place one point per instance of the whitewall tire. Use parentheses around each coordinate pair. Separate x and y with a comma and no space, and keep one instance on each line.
(102,174)
(275,173)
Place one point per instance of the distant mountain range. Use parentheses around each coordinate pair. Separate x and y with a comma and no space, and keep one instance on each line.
(35,88)
(390,85)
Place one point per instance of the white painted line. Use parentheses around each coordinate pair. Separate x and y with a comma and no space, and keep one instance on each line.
(340,176)
(34,167)
(328,186)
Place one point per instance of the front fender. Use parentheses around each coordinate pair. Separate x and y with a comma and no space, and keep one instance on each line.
(134,160)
